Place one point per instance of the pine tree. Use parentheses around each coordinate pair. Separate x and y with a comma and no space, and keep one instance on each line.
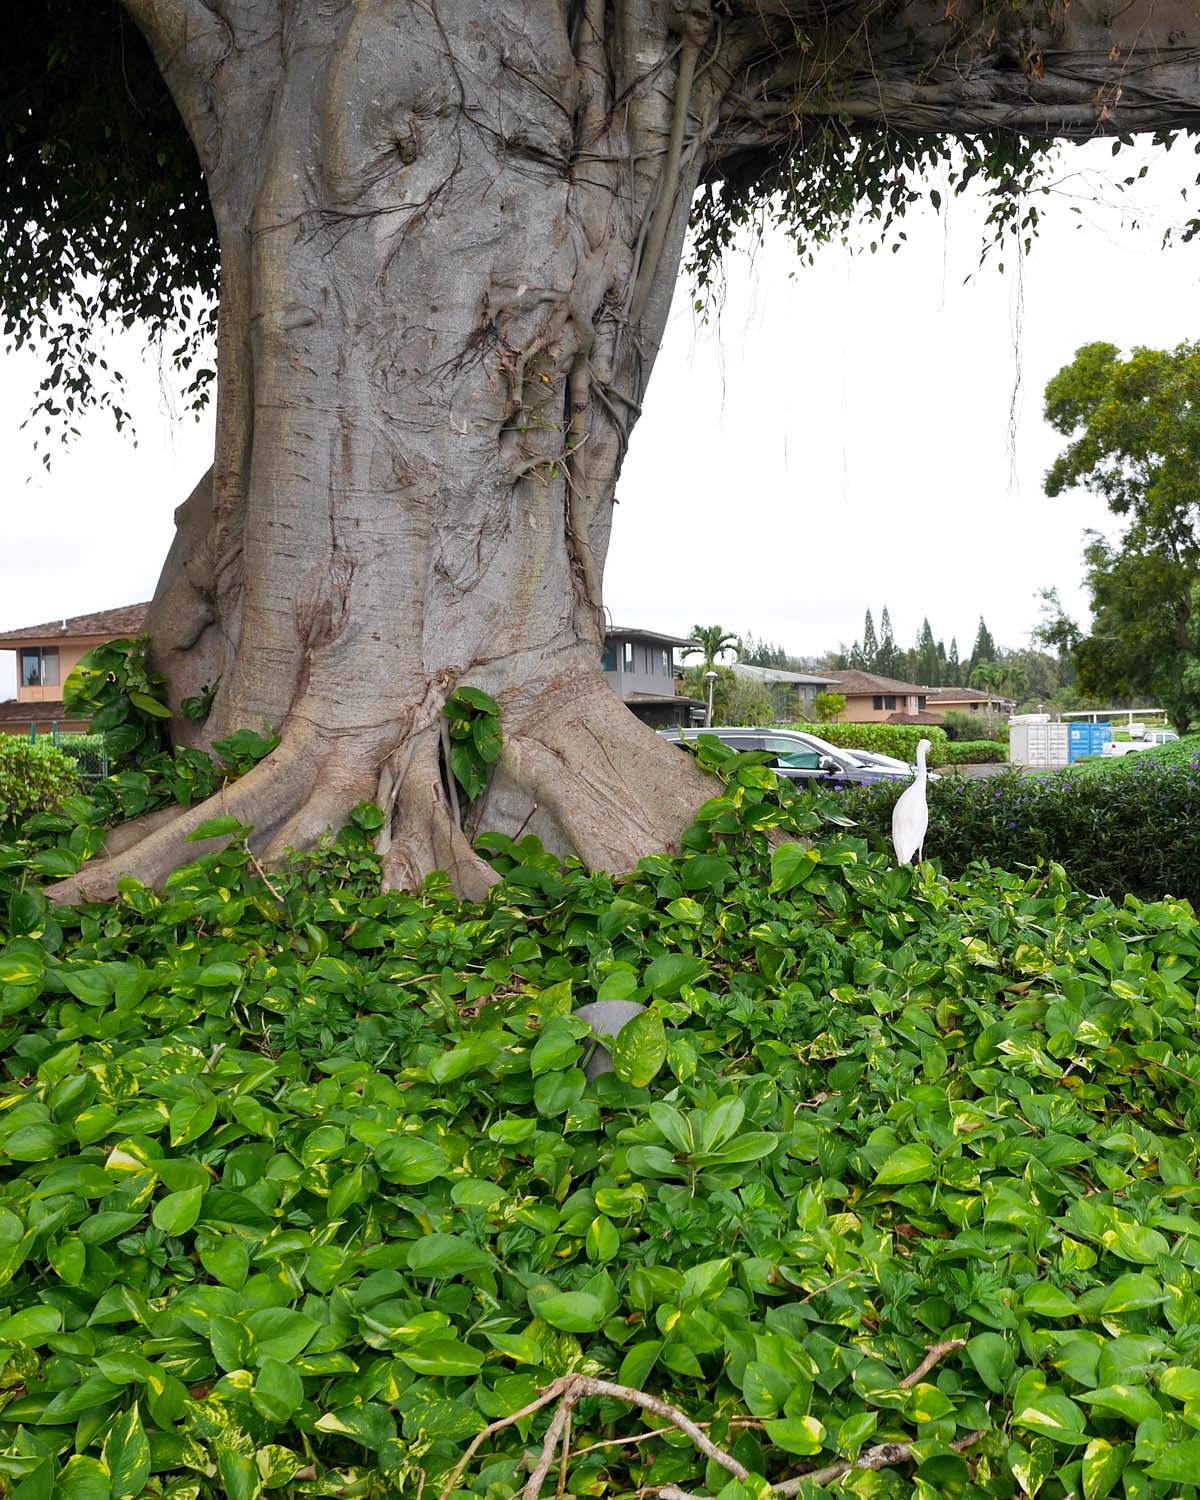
(870,646)
(926,658)
(953,666)
(887,657)
(984,648)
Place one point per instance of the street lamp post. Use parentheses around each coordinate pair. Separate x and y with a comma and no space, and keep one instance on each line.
(711,678)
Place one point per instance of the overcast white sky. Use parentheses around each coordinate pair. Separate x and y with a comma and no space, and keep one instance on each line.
(839,440)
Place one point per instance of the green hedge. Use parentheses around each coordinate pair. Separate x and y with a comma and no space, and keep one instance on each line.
(1180,752)
(899,740)
(975,752)
(1127,830)
(34,778)
(87,751)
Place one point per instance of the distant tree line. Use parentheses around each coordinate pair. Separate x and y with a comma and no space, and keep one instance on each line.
(1031,676)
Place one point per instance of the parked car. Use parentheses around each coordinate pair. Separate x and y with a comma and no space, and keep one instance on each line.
(800,756)
(1151,738)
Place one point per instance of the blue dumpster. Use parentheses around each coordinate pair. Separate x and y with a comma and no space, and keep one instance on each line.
(1086,739)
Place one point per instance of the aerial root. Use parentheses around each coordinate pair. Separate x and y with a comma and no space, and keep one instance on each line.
(421,832)
(324,810)
(605,779)
(601,784)
(569,1390)
(158,844)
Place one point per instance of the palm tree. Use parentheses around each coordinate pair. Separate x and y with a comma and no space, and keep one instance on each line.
(1010,679)
(714,642)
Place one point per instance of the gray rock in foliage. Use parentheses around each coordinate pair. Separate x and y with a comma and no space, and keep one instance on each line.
(605,1017)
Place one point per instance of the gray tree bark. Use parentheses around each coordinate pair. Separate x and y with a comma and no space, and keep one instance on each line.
(450,232)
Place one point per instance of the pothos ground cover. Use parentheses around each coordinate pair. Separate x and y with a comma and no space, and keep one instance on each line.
(303,1187)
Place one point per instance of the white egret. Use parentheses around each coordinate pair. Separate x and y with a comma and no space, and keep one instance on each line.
(910,816)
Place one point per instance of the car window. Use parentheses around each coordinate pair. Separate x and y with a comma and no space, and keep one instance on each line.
(785,745)
(800,760)
(808,745)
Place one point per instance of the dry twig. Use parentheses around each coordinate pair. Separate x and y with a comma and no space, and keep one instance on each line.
(883,1456)
(265,878)
(934,1353)
(551,1393)
(562,1416)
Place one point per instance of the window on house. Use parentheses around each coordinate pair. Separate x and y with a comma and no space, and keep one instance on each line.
(921,702)
(608,662)
(627,656)
(889,701)
(878,702)
(39,666)
(666,662)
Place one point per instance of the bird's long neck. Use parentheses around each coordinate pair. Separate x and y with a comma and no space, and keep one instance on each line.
(920,762)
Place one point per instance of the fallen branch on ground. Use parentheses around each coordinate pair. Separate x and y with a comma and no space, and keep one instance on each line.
(569,1390)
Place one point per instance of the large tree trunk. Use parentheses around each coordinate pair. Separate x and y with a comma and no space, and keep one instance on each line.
(429,363)
(449,237)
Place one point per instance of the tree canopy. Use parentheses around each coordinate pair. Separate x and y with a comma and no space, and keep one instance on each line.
(105,218)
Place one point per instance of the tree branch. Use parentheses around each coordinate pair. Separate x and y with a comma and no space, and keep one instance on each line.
(171,26)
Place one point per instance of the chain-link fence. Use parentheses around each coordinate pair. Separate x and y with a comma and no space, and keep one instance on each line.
(86,750)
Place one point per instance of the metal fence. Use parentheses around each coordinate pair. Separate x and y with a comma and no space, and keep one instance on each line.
(86,750)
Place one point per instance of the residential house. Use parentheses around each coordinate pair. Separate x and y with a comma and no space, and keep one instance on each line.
(639,666)
(46,655)
(881,700)
(792,693)
(969,701)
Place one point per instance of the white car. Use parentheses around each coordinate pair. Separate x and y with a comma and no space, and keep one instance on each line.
(800,756)
(1148,741)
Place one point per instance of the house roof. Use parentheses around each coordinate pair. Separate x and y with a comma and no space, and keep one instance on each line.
(777,674)
(858,684)
(654,637)
(16,717)
(663,698)
(913,719)
(965,695)
(104,624)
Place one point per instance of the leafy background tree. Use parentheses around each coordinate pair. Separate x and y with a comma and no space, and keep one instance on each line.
(1133,430)
(736,700)
(828,707)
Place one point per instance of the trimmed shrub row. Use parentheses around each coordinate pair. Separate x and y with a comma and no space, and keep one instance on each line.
(1130,832)
(975,752)
(899,740)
